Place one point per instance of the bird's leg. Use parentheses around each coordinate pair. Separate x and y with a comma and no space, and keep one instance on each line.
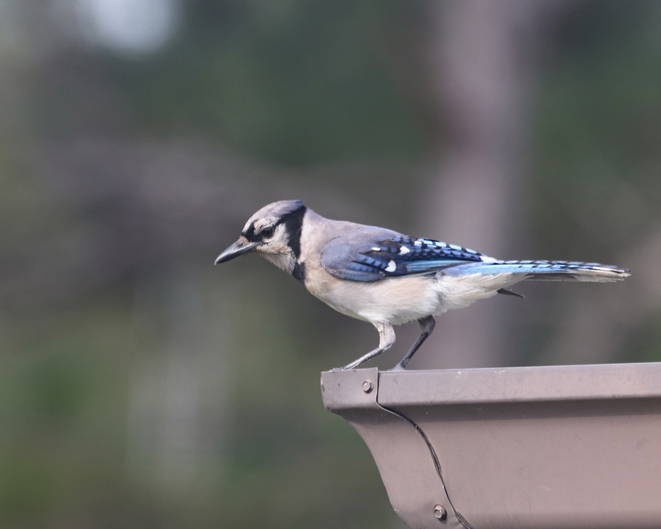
(427,327)
(386,339)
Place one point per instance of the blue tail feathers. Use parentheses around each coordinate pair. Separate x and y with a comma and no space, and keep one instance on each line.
(544,270)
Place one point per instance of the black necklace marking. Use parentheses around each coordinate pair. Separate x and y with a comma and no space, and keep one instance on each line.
(293,224)
(299,271)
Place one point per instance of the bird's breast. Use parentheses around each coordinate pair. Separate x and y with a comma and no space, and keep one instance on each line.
(392,300)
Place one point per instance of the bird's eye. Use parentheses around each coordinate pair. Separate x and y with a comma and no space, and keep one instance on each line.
(267,233)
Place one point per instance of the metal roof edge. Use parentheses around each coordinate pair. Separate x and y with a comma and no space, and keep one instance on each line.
(519,384)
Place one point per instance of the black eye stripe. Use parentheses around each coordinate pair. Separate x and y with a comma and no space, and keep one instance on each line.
(250,234)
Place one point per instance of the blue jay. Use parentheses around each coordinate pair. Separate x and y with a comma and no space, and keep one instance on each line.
(386,278)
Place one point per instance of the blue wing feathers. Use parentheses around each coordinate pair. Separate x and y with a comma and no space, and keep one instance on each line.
(394,256)
(373,258)
(341,260)
(430,266)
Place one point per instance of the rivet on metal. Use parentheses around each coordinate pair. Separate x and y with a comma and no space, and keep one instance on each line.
(439,512)
(368,386)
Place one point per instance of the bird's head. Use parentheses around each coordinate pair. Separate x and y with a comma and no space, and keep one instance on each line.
(273,232)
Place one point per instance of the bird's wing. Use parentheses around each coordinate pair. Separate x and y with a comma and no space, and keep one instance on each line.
(369,257)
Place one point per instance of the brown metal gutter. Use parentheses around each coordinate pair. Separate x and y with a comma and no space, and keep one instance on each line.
(562,447)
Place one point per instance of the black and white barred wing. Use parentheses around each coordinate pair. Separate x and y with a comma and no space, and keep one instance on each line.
(373,258)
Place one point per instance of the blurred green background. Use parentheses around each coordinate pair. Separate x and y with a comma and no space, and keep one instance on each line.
(140,387)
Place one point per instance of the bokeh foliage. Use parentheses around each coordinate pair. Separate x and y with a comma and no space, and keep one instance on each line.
(142,388)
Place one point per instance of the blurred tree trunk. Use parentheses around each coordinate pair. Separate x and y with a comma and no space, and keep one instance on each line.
(484,59)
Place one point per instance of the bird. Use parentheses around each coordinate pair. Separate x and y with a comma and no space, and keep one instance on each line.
(386,278)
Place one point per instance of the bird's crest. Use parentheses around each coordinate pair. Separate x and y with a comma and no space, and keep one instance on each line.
(279,209)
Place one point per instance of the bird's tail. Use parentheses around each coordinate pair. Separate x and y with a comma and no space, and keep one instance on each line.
(545,270)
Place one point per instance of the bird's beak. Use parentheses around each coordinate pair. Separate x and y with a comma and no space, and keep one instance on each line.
(240,247)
